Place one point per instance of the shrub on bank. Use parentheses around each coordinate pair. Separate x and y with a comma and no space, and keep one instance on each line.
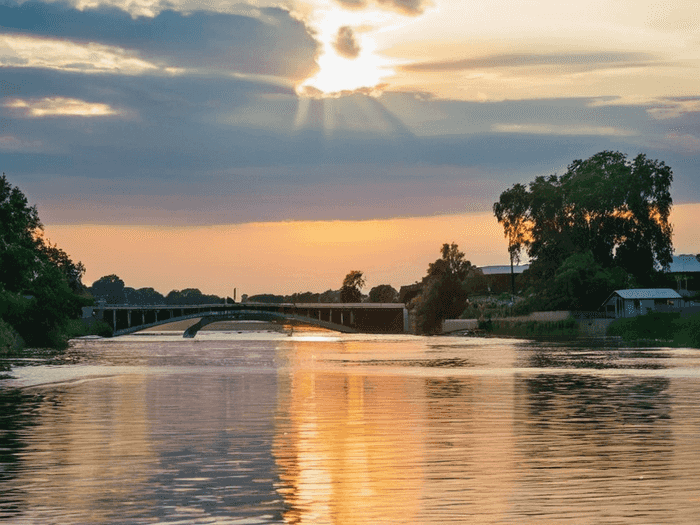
(688,331)
(668,328)
(79,328)
(11,342)
(650,326)
(565,328)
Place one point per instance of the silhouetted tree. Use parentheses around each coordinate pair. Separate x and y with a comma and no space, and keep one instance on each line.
(615,209)
(383,293)
(443,294)
(351,291)
(109,288)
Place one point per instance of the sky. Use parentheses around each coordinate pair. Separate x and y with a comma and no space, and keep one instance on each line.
(275,146)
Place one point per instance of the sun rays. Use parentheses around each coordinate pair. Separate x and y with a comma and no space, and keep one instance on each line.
(349,60)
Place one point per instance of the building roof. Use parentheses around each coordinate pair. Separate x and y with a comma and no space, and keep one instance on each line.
(684,264)
(505,269)
(648,293)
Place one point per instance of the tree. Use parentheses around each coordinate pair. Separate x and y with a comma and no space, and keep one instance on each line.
(19,244)
(616,209)
(38,281)
(444,294)
(109,288)
(383,293)
(351,291)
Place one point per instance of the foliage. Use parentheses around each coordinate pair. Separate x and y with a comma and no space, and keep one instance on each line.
(145,296)
(79,328)
(109,288)
(10,341)
(566,328)
(351,291)
(191,296)
(687,331)
(383,293)
(444,294)
(615,209)
(660,327)
(40,286)
(265,298)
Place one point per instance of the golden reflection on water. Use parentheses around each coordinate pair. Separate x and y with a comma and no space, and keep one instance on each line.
(362,446)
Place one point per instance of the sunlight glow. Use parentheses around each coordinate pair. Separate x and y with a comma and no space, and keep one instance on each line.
(338,74)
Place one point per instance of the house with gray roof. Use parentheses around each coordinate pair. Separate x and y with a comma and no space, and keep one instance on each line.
(630,303)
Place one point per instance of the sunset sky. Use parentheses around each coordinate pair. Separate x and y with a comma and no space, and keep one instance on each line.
(275,146)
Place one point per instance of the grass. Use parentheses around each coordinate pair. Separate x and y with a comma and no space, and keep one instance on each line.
(565,328)
(660,328)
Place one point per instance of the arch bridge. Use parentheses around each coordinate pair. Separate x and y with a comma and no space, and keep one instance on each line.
(341,317)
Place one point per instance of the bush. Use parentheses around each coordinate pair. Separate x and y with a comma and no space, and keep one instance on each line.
(653,326)
(688,332)
(10,341)
(566,328)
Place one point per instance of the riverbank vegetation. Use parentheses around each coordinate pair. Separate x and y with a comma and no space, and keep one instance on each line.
(564,328)
(40,286)
(659,328)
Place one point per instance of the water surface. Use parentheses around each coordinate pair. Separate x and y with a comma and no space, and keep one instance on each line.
(314,428)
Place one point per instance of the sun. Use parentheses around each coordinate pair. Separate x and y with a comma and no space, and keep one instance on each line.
(361,68)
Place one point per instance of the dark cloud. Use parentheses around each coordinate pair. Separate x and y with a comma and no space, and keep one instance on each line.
(345,43)
(407,7)
(577,60)
(272,44)
(353,4)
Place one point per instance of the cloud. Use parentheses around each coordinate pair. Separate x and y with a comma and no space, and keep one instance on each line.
(671,109)
(406,7)
(563,129)
(268,41)
(579,61)
(31,52)
(10,143)
(345,43)
(60,106)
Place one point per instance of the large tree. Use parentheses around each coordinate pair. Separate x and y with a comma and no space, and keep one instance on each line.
(38,281)
(616,209)
(351,291)
(445,289)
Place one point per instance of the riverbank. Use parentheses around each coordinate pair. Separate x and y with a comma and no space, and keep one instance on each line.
(12,344)
(659,328)
(652,329)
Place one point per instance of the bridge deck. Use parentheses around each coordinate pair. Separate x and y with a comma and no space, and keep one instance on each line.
(348,317)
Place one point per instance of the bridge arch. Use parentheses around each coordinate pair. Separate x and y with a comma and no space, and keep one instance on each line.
(234,315)
(257,315)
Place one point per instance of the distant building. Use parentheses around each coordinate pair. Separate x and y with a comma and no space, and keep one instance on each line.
(630,303)
(684,273)
(498,277)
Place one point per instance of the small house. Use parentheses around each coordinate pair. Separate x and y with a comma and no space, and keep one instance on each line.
(629,303)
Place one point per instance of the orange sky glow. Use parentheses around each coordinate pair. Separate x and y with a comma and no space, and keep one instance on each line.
(299,256)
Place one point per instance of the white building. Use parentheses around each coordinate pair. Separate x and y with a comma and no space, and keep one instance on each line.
(629,303)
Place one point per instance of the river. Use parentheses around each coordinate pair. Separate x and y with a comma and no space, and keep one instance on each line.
(258,427)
